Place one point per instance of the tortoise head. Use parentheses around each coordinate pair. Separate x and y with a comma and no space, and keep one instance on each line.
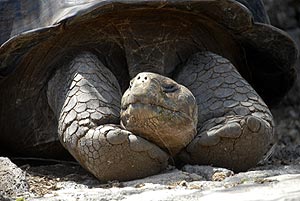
(160,110)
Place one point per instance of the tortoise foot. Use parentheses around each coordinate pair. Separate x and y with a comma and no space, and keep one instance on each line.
(235,126)
(234,142)
(111,153)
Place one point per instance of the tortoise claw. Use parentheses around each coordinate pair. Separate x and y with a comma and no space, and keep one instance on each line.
(213,136)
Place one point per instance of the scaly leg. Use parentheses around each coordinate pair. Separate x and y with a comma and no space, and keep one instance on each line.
(86,96)
(235,127)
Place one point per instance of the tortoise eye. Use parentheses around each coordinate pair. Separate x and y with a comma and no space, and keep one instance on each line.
(169,88)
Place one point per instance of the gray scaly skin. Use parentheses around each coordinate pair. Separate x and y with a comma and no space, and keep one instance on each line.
(86,96)
(234,126)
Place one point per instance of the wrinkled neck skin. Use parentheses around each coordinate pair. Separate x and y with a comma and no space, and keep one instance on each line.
(158,57)
(156,48)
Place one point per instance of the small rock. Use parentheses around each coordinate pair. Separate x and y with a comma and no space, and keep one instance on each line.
(12,179)
(208,172)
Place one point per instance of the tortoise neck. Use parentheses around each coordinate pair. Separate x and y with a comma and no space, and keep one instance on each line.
(143,57)
(157,46)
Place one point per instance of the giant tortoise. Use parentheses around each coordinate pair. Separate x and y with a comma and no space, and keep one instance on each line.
(127,87)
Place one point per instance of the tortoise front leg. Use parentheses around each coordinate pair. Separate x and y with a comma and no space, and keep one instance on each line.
(235,127)
(86,96)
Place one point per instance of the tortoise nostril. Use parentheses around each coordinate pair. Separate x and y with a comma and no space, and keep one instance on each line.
(142,78)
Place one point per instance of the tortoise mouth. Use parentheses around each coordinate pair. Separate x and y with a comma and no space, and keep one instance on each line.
(146,111)
(148,106)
